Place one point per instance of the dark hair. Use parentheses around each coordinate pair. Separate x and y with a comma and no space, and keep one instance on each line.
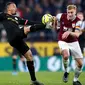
(7,4)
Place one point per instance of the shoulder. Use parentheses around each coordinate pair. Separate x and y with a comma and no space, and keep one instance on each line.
(18,18)
(78,21)
(62,16)
(58,16)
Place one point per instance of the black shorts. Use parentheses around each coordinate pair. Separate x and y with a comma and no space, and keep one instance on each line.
(17,53)
(20,45)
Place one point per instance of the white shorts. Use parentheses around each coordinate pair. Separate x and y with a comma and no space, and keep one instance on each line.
(73,47)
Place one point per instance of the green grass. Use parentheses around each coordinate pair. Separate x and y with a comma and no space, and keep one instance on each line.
(48,78)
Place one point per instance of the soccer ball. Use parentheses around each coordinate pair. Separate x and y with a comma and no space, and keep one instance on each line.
(47,18)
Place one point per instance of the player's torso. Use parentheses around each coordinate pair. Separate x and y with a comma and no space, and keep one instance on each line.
(67,25)
(11,25)
(10,22)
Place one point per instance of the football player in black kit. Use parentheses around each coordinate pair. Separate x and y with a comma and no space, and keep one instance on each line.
(15,35)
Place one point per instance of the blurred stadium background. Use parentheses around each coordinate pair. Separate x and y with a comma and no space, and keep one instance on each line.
(48,62)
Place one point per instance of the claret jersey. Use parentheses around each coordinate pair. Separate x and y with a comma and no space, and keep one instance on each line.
(68,25)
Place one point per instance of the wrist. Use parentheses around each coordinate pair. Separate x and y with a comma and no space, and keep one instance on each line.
(27,29)
(70,33)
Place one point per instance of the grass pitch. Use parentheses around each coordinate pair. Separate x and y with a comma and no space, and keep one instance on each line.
(48,78)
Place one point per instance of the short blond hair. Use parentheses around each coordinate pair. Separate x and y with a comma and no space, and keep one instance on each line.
(69,7)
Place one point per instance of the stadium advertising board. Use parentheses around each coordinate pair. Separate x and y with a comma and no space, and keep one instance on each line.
(44,49)
(53,64)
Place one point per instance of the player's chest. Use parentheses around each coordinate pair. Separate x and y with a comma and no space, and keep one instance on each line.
(68,25)
(13,19)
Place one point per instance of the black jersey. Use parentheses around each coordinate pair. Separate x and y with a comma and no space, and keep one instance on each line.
(11,24)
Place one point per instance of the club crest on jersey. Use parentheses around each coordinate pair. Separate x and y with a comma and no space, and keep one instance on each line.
(73,25)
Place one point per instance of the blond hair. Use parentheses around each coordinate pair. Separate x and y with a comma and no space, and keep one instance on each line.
(69,7)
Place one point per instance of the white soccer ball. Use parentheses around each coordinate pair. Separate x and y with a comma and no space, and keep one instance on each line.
(47,18)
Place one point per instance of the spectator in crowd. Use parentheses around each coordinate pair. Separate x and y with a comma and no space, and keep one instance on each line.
(46,6)
(2,3)
(38,13)
(83,6)
(42,36)
(3,36)
(33,49)
(15,55)
(1,28)
(56,52)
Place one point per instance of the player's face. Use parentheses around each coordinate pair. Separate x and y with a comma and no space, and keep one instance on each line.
(12,8)
(71,14)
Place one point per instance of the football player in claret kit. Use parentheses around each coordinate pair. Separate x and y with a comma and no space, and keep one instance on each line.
(16,34)
(70,30)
